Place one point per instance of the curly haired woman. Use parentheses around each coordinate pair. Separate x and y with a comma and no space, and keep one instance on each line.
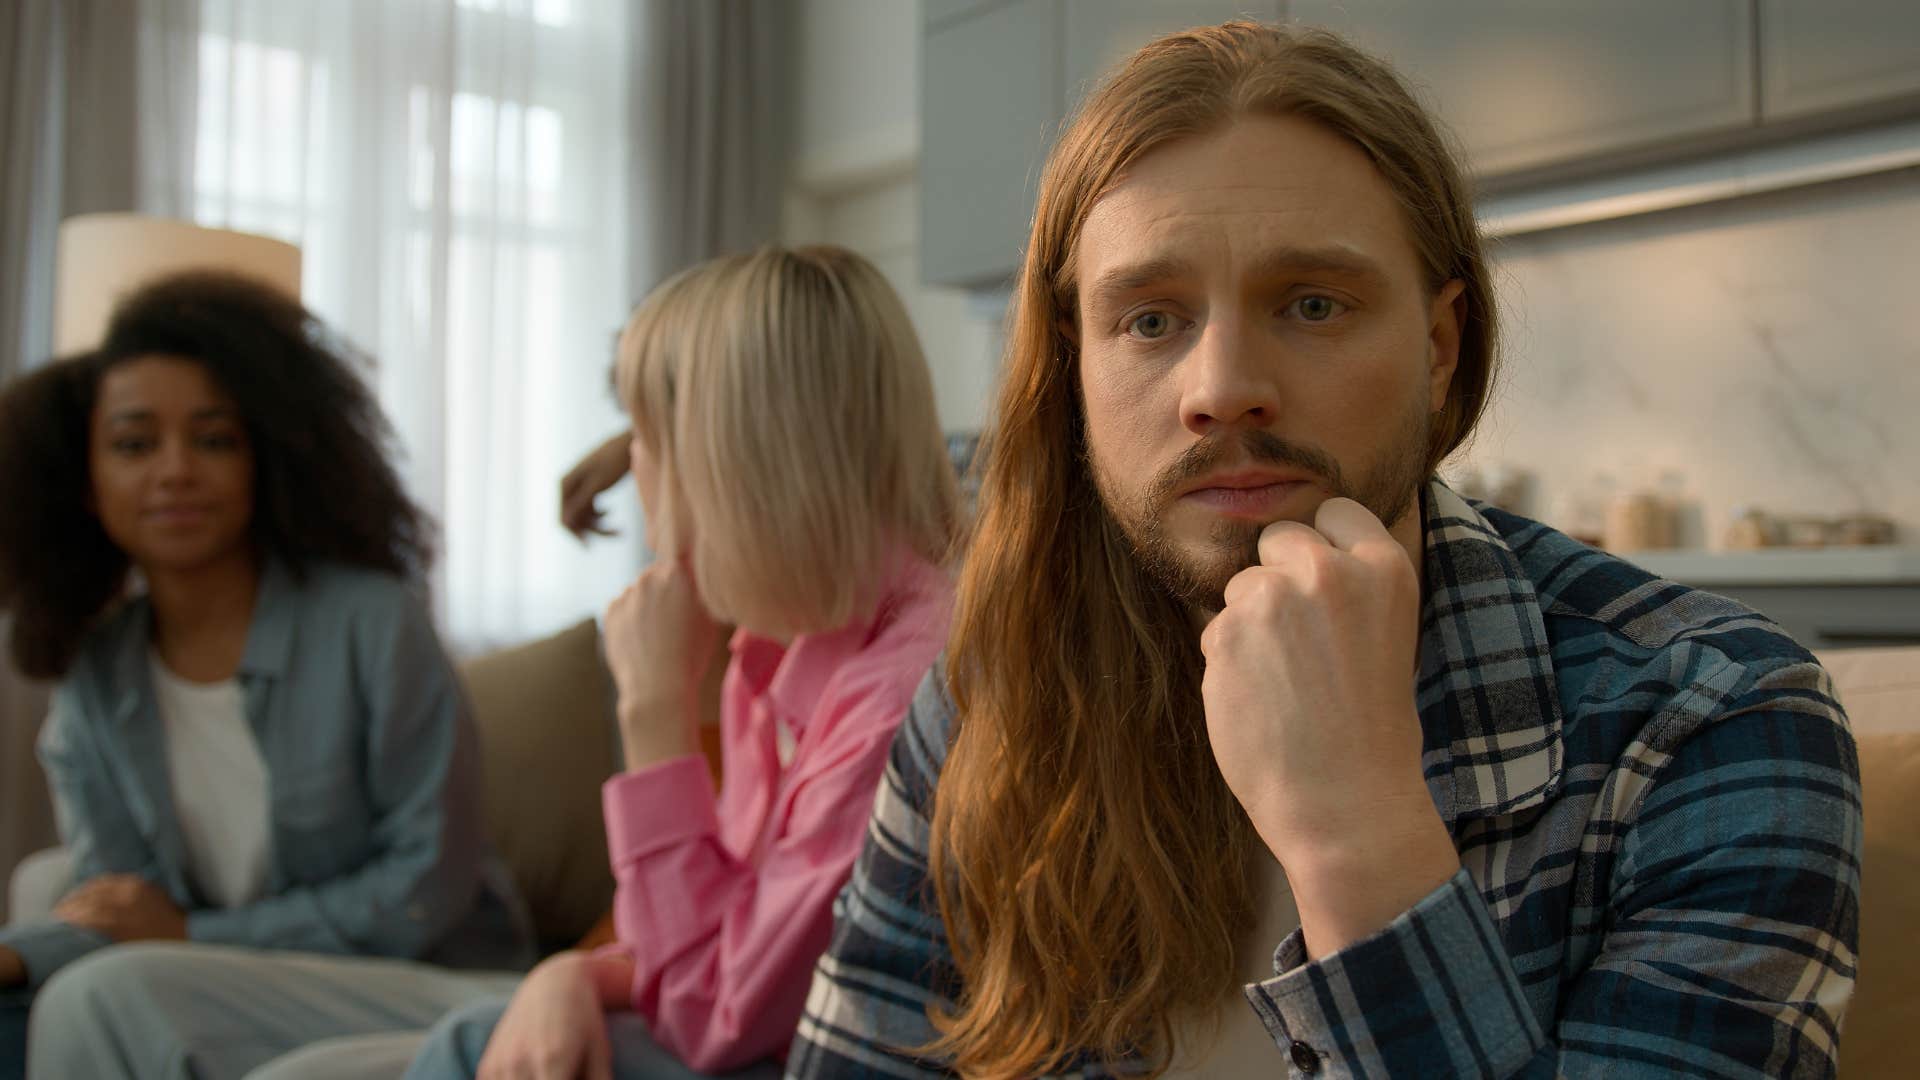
(260,757)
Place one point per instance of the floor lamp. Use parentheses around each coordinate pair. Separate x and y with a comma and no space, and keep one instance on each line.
(103,257)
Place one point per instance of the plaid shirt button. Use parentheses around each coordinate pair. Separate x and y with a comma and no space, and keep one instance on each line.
(1304,1058)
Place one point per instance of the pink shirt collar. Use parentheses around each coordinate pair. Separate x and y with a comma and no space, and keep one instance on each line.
(792,677)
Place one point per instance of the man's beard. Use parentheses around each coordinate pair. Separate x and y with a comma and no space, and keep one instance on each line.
(1389,488)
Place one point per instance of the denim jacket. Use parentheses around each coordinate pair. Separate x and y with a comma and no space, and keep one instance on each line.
(373,768)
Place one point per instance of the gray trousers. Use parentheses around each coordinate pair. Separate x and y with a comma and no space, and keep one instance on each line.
(454,1048)
(177,1011)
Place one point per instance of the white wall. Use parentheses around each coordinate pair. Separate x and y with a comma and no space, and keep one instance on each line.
(856,158)
(1765,351)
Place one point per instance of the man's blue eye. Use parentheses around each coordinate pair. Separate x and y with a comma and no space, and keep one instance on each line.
(1151,325)
(1317,308)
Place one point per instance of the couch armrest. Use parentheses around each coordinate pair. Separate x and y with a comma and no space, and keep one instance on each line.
(39,882)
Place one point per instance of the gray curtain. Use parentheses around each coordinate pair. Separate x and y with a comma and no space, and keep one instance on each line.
(708,120)
(30,166)
(96,114)
(30,121)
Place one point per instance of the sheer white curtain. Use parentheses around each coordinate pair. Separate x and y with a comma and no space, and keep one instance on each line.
(455,173)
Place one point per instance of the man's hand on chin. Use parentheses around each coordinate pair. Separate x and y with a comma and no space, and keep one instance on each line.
(1309,702)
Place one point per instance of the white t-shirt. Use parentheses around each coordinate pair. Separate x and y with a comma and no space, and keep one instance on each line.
(219,784)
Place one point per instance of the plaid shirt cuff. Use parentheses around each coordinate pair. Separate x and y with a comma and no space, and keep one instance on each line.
(1432,993)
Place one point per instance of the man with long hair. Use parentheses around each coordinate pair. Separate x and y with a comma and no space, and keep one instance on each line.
(1257,751)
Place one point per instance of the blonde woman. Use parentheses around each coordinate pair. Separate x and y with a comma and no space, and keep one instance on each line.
(789,459)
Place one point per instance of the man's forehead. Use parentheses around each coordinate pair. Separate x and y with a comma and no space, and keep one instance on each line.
(1262,184)
(1196,214)
(1249,154)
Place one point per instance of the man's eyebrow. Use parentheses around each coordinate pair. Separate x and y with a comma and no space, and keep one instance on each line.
(1129,277)
(1345,262)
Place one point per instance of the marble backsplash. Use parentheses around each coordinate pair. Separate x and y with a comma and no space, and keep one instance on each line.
(1763,352)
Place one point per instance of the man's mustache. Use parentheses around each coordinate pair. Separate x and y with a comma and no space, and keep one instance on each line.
(1264,447)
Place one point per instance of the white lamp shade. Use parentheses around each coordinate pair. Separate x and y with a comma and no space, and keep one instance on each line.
(104,257)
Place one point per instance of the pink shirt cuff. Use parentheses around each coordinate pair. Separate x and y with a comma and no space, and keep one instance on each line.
(658,807)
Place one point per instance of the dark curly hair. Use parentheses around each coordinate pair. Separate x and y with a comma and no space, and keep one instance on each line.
(325,488)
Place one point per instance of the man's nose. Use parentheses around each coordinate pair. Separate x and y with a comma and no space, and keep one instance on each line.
(1230,380)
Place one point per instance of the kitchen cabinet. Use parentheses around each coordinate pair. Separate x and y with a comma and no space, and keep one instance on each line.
(935,12)
(1536,90)
(990,100)
(999,80)
(1824,55)
(1540,83)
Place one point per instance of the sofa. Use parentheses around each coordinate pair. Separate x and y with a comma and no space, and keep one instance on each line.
(545,716)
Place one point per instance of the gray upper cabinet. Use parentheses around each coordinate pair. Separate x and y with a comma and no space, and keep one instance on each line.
(998,79)
(1536,89)
(990,99)
(1101,33)
(933,12)
(1823,55)
(1531,83)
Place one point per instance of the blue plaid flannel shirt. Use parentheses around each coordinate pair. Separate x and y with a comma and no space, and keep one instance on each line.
(1657,806)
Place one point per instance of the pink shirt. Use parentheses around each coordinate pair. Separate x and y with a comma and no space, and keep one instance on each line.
(725,903)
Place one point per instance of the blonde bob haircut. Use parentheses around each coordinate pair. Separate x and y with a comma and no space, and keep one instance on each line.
(787,404)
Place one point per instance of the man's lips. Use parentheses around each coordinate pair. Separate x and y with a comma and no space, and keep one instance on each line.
(1255,494)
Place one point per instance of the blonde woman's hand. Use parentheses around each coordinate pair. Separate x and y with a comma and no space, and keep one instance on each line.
(600,469)
(659,641)
(555,1028)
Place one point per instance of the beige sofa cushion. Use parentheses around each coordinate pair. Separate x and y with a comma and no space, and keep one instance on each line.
(547,742)
(1885,1016)
(1880,689)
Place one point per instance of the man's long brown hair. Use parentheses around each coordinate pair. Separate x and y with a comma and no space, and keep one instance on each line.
(1090,862)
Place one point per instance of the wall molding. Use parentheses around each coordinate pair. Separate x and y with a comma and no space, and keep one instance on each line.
(1728,175)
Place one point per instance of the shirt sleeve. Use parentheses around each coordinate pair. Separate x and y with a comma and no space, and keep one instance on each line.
(888,961)
(96,827)
(1729,934)
(722,946)
(423,782)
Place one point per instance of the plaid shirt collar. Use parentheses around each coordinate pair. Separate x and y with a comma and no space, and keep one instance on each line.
(1489,703)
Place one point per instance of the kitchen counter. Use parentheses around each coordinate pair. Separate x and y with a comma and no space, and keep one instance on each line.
(1867,565)
(1827,598)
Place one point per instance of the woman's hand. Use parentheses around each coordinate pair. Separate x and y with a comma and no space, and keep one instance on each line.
(600,469)
(555,1027)
(659,641)
(124,907)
